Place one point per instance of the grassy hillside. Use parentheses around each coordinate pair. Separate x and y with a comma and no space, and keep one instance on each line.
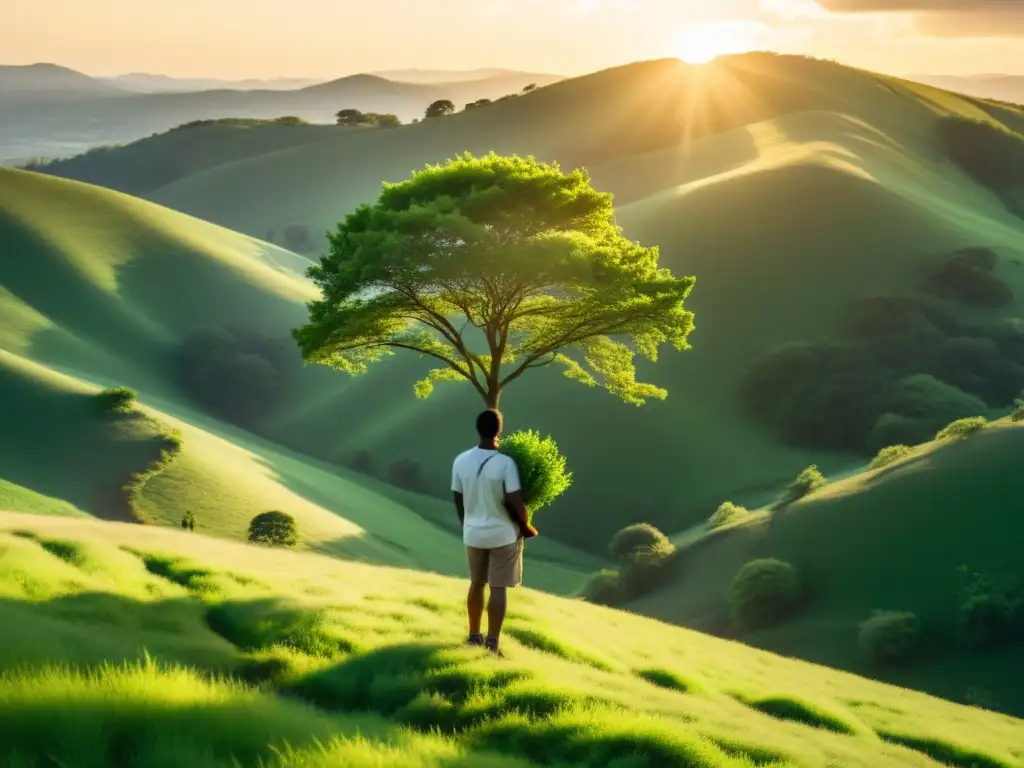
(910,537)
(792,189)
(114,631)
(100,291)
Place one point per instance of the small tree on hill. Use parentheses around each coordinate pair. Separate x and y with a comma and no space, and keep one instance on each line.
(275,529)
(350,117)
(493,267)
(188,521)
(441,108)
(406,473)
(530,87)
(388,121)
(362,462)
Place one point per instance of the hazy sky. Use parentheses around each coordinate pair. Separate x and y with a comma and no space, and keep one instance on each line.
(330,38)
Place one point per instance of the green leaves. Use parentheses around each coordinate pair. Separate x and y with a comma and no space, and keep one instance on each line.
(494,266)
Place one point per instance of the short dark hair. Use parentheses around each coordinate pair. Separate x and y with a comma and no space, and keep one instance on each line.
(488,424)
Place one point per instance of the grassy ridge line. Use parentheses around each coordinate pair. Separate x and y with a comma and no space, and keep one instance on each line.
(348,638)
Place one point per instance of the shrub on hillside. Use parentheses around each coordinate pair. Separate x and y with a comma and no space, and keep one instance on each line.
(763,593)
(275,529)
(962,428)
(405,473)
(363,463)
(991,154)
(636,538)
(890,455)
(117,400)
(806,482)
(889,637)
(967,276)
(645,569)
(239,376)
(930,402)
(188,521)
(823,396)
(602,588)
(541,467)
(727,513)
(891,428)
(989,619)
(1018,411)
(991,611)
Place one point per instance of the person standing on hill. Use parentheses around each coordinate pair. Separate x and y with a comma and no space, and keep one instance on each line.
(495,523)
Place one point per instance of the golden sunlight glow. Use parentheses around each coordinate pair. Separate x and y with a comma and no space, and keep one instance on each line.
(703,43)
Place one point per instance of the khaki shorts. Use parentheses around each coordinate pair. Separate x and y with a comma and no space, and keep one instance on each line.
(499,567)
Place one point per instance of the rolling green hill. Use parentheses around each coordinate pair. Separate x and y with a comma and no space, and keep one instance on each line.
(792,189)
(149,647)
(98,291)
(889,539)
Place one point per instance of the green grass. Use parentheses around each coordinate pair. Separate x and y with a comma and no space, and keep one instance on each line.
(302,661)
(889,539)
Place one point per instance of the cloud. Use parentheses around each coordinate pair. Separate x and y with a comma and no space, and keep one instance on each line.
(946,18)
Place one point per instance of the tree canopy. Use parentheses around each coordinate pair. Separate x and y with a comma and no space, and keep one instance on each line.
(441,108)
(353,117)
(495,266)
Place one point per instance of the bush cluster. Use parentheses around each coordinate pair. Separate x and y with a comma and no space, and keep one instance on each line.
(406,474)
(117,400)
(906,368)
(238,376)
(968,277)
(645,556)
(763,593)
(274,529)
(889,455)
(962,428)
(726,513)
(1018,411)
(806,482)
(991,613)
(889,637)
(990,154)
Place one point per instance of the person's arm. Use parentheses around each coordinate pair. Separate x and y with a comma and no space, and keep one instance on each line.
(460,507)
(520,514)
(514,502)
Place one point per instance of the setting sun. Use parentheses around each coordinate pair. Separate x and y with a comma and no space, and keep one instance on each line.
(703,43)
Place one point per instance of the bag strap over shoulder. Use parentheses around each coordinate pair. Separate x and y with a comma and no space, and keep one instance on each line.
(484,463)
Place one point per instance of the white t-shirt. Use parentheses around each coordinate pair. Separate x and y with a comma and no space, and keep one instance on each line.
(487,524)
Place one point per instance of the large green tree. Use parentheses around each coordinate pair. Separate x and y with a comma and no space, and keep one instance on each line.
(493,267)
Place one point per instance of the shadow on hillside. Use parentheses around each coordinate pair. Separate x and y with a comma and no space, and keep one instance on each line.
(96,452)
(92,628)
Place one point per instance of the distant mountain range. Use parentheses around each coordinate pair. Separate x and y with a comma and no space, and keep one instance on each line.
(60,112)
(1003,87)
(35,81)
(143,82)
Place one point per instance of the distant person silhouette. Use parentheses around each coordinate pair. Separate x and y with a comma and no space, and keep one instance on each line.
(495,523)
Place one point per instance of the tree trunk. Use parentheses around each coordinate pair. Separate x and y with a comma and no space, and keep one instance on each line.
(492,398)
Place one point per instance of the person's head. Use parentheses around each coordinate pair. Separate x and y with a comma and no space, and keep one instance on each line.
(488,424)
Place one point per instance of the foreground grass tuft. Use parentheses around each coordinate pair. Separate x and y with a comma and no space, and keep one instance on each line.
(666,678)
(798,711)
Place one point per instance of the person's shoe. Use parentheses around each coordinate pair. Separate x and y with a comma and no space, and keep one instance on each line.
(491,644)
(475,638)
